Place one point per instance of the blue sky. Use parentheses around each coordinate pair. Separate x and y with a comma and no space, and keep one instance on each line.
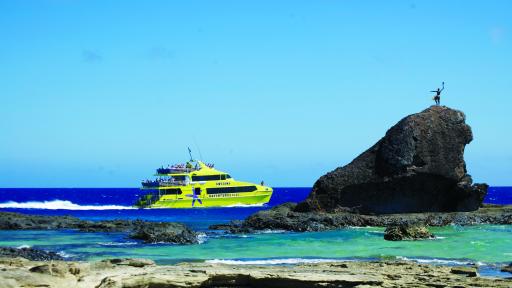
(100,93)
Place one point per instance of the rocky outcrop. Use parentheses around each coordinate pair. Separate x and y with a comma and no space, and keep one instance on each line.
(110,274)
(418,166)
(150,232)
(284,217)
(407,232)
(29,253)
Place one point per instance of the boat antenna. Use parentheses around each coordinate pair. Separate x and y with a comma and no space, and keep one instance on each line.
(190,153)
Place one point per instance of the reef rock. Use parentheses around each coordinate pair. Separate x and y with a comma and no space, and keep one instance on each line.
(418,166)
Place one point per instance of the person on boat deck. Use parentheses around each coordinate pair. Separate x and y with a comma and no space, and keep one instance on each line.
(262,183)
(189,165)
(195,197)
(437,98)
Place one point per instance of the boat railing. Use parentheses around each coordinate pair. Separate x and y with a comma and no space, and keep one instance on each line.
(172,183)
(162,183)
(175,170)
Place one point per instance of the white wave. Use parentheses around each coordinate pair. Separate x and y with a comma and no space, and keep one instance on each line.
(273,261)
(60,205)
(117,243)
(440,261)
(65,255)
(270,231)
(201,238)
(23,246)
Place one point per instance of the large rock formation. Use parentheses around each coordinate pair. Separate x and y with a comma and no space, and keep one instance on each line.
(417,167)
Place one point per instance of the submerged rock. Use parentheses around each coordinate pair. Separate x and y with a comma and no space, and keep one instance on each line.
(418,166)
(29,253)
(407,232)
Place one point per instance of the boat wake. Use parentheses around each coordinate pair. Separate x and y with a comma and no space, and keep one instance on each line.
(60,205)
(245,205)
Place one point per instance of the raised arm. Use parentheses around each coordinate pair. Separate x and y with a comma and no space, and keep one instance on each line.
(442,88)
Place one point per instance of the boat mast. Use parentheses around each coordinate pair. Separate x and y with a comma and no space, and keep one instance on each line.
(190,153)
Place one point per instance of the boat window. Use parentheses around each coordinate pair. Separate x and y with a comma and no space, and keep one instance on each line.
(223,177)
(227,176)
(175,191)
(206,178)
(178,178)
(239,189)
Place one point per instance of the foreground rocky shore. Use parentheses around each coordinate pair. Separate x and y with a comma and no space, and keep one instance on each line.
(135,273)
(149,232)
(284,217)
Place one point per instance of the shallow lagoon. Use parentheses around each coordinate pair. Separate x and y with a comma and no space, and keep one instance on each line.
(484,243)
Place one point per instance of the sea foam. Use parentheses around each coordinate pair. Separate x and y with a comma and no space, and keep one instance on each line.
(441,261)
(282,261)
(60,205)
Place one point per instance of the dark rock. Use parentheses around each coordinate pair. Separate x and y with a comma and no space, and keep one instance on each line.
(29,253)
(407,232)
(418,166)
(176,233)
(507,268)
(463,270)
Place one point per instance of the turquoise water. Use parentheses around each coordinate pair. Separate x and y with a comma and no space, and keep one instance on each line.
(489,244)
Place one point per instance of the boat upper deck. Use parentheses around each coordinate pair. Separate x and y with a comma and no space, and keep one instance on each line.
(181,168)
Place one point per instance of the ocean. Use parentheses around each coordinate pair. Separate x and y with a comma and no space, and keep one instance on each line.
(486,245)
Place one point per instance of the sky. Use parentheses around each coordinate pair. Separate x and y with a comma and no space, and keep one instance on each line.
(100,93)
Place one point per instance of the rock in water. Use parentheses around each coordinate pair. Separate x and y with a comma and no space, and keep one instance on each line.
(165,232)
(507,268)
(407,232)
(417,167)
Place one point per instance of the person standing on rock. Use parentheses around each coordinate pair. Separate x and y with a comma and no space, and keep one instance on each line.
(437,98)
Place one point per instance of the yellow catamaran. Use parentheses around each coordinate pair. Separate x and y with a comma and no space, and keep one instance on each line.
(196,184)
